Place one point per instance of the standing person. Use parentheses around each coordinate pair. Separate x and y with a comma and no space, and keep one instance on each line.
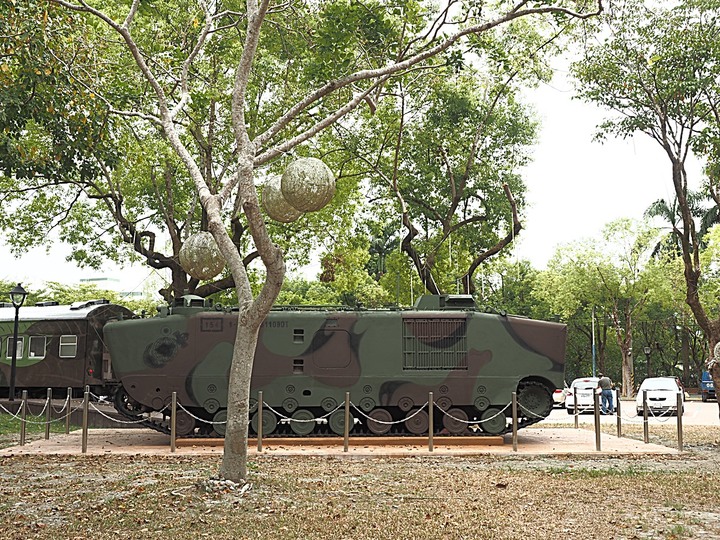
(605,385)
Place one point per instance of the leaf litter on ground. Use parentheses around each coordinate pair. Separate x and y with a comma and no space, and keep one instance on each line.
(484,497)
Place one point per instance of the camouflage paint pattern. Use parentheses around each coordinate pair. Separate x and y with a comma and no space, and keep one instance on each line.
(309,358)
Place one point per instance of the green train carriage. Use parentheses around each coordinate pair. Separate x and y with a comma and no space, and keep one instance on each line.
(58,346)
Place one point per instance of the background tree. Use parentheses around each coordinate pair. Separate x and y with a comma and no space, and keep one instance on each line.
(61,146)
(362,53)
(443,152)
(666,324)
(670,214)
(569,286)
(659,70)
(509,285)
(606,279)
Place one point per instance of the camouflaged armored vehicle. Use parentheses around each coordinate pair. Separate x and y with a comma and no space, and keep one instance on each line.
(308,358)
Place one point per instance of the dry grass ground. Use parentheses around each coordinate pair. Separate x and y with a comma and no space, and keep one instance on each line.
(630,497)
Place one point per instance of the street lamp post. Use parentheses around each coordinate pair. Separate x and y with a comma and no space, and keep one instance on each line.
(17,295)
(646,350)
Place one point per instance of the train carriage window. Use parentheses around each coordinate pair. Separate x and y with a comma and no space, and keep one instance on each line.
(68,346)
(37,347)
(19,353)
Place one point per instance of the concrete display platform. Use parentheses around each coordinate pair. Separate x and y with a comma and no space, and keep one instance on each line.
(531,441)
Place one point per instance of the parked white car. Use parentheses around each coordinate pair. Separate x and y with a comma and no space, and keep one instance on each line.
(662,393)
(582,390)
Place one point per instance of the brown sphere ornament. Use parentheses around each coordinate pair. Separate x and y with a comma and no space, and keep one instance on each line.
(308,184)
(201,257)
(275,204)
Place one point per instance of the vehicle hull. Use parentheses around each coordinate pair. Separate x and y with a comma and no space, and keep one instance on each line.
(305,360)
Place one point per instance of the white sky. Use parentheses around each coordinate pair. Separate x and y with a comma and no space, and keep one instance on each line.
(575,187)
(38,267)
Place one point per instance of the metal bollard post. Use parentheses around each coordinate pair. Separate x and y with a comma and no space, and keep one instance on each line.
(173,421)
(679,421)
(346,435)
(576,411)
(48,410)
(431,424)
(596,410)
(619,416)
(69,410)
(86,401)
(514,421)
(646,435)
(23,415)
(260,422)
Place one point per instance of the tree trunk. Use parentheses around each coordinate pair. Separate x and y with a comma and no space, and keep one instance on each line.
(467,279)
(625,342)
(685,354)
(234,462)
(691,261)
(423,268)
(628,375)
(714,365)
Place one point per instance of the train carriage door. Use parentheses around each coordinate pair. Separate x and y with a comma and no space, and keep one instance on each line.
(69,368)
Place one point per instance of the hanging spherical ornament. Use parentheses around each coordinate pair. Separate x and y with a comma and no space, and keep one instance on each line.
(200,256)
(308,184)
(275,204)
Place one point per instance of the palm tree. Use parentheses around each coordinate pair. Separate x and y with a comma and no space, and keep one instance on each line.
(671,213)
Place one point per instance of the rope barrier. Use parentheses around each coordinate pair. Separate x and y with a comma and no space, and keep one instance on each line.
(287,419)
(101,413)
(191,415)
(100,399)
(65,404)
(633,419)
(42,412)
(638,417)
(283,418)
(475,421)
(16,416)
(528,412)
(447,413)
(382,422)
(662,417)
